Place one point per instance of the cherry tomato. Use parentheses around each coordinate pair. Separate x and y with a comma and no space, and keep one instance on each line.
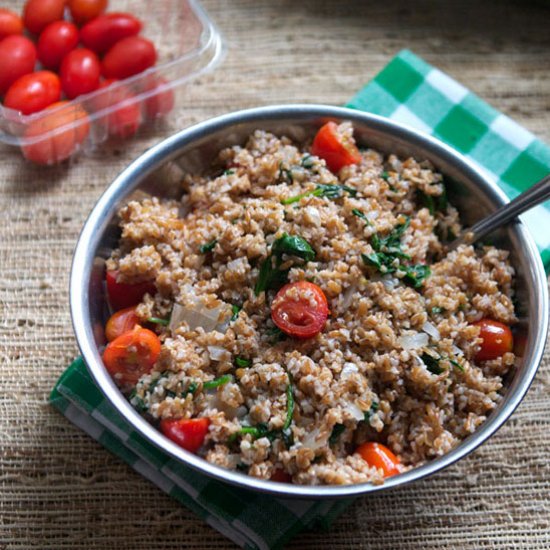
(337,150)
(62,145)
(187,433)
(83,11)
(161,102)
(131,355)
(281,476)
(123,295)
(80,72)
(37,14)
(379,456)
(10,23)
(120,322)
(102,33)
(128,57)
(17,58)
(497,339)
(125,120)
(300,309)
(55,42)
(33,92)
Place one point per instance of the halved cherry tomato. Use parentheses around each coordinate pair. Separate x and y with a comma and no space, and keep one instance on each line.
(300,309)
(120,322)
(17,58)
(85,10)
(59,146)
(10,23)
(336,149)
(33,92)
(281,476)
(55,42)
(379,456)
(128,57)
(123,295)
(103,32)
(37,14)
(124,121)
(80,71)
(497,339)
(131,355)
(161,102)
(188,433)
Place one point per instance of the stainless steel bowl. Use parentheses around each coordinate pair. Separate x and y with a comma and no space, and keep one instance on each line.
(158,171)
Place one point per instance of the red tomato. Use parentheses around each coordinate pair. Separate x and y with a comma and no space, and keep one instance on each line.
(84,10)
(281,476)
(123,295)
(128,57)
(161,102)
(337,150)
(497,339)
(125,120)
(187,433)
(300,309)
(37,14)
(33,92)
(379,456)
(10,23)
(55,42)
(62,145)
(120,322)
(102,33)
(17,58)
(80,72)
(131,355)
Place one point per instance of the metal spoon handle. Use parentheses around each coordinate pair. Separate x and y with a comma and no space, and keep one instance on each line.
(535,195)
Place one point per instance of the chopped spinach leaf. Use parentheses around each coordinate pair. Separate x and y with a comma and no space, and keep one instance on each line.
(337,431)
(307,161)
(432,364)
(360,214)
(457,364)
(293,245)
(434,203)
(436,309)
(385,175)
(289,403)
(285,175)
(242,362)
(192,388)
(229,172)
(235,309)
(322,190)
(217,382)
(208,247)
(158,321)
(170,393)
(275,334)
(373,408)
(137,402)
(416,274)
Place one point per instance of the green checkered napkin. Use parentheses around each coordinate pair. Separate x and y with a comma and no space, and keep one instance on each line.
(410,91)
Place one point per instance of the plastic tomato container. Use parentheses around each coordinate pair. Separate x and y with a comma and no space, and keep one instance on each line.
(188,44)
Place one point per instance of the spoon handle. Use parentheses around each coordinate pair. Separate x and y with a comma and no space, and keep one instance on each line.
(535,195)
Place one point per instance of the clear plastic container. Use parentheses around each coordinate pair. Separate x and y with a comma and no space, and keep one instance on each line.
(188,44)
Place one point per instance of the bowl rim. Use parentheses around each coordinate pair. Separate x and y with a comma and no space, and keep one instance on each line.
(137,170)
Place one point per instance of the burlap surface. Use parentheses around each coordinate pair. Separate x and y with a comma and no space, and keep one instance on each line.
(61,490)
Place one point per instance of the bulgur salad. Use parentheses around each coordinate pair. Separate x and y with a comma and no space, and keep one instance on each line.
(296,317)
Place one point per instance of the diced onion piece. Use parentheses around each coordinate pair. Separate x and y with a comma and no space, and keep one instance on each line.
(313,441)
(431,329)
(349,368)
(347,296)
(198,315)
(355,411)
(217,353)
(414,340)
(457,350)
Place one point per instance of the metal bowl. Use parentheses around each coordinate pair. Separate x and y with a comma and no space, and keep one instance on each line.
(159,170)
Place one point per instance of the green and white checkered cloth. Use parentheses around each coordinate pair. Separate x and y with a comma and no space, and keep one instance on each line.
(410,91)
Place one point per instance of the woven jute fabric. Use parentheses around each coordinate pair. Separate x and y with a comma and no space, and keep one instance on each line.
(61,490)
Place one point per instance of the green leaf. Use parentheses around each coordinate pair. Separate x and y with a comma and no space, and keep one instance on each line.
(457,365)
(158,321)
(235,309)
(360,214)
(385,175)
(208,247)
(242,362)
(217,382)
(417,274)
(432,364)
(373,408)
(137,402)
(293,245)
(337,431)
(285,175)
(229,172)
(308,161)
(323,190)
(289,403)
(275,334)
(436,309)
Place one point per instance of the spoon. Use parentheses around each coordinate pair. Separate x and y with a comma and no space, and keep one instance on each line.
(534,196)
